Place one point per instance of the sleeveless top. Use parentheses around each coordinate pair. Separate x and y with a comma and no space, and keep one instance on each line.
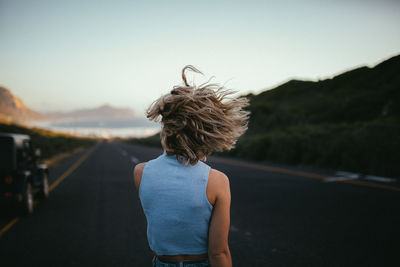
(175,203)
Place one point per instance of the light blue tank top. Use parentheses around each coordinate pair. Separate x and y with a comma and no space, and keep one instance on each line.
(175,203)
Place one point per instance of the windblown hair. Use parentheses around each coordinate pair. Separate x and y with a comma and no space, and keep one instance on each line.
(199,120)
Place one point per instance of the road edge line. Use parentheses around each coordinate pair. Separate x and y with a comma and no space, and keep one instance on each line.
(301,173)
(9,225)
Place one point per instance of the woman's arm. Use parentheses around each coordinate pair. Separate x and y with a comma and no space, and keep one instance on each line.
(137,174)
(218,248)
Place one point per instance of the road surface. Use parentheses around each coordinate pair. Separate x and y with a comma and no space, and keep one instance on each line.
(280,216)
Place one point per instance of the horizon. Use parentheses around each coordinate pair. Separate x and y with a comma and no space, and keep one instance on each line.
(58,57)
(106,104)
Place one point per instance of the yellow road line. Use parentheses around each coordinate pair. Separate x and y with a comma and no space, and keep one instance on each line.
(301,173)
(52,186)
(70,170)
(9,225)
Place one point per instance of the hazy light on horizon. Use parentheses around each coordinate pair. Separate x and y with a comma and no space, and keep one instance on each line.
(73,54)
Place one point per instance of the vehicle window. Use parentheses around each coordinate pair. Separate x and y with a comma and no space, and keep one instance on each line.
(27,145)
(24,154)
(20,157)
(7,154)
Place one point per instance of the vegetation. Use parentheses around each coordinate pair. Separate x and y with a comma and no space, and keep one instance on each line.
(153,140)
(50,143)
(350,122)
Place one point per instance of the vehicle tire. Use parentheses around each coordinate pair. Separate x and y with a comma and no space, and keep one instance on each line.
(29,201)
(44,191)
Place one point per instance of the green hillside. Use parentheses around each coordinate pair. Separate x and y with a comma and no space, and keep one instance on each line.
(350,122)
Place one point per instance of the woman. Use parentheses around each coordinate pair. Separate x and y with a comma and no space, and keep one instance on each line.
(186,202)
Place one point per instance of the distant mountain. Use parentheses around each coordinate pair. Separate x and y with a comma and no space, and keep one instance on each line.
(102,112)
(350,122)
(13,109)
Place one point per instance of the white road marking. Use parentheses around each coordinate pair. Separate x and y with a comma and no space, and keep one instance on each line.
(134,160)
(380,179)
(233,229)
(337,179)
(248,235)
(342,176)
(348,174)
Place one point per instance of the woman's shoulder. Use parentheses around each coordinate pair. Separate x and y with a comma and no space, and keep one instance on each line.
(218,181)
(139,167)
(218,185)
(217,176)
(138,172)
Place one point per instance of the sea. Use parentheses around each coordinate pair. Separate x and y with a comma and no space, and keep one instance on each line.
(104,128)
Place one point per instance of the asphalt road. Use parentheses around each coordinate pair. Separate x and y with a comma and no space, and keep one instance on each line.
(280,216)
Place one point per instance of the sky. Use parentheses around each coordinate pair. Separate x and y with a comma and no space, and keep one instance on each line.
(64,55)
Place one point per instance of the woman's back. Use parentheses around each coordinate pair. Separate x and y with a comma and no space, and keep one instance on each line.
(186,203)
(175,203)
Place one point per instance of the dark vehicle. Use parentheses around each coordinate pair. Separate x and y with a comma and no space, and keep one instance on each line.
(21,177)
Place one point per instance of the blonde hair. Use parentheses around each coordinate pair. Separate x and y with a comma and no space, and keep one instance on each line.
(199,120)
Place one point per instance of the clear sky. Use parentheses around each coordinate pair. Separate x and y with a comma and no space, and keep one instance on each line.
(62,55)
